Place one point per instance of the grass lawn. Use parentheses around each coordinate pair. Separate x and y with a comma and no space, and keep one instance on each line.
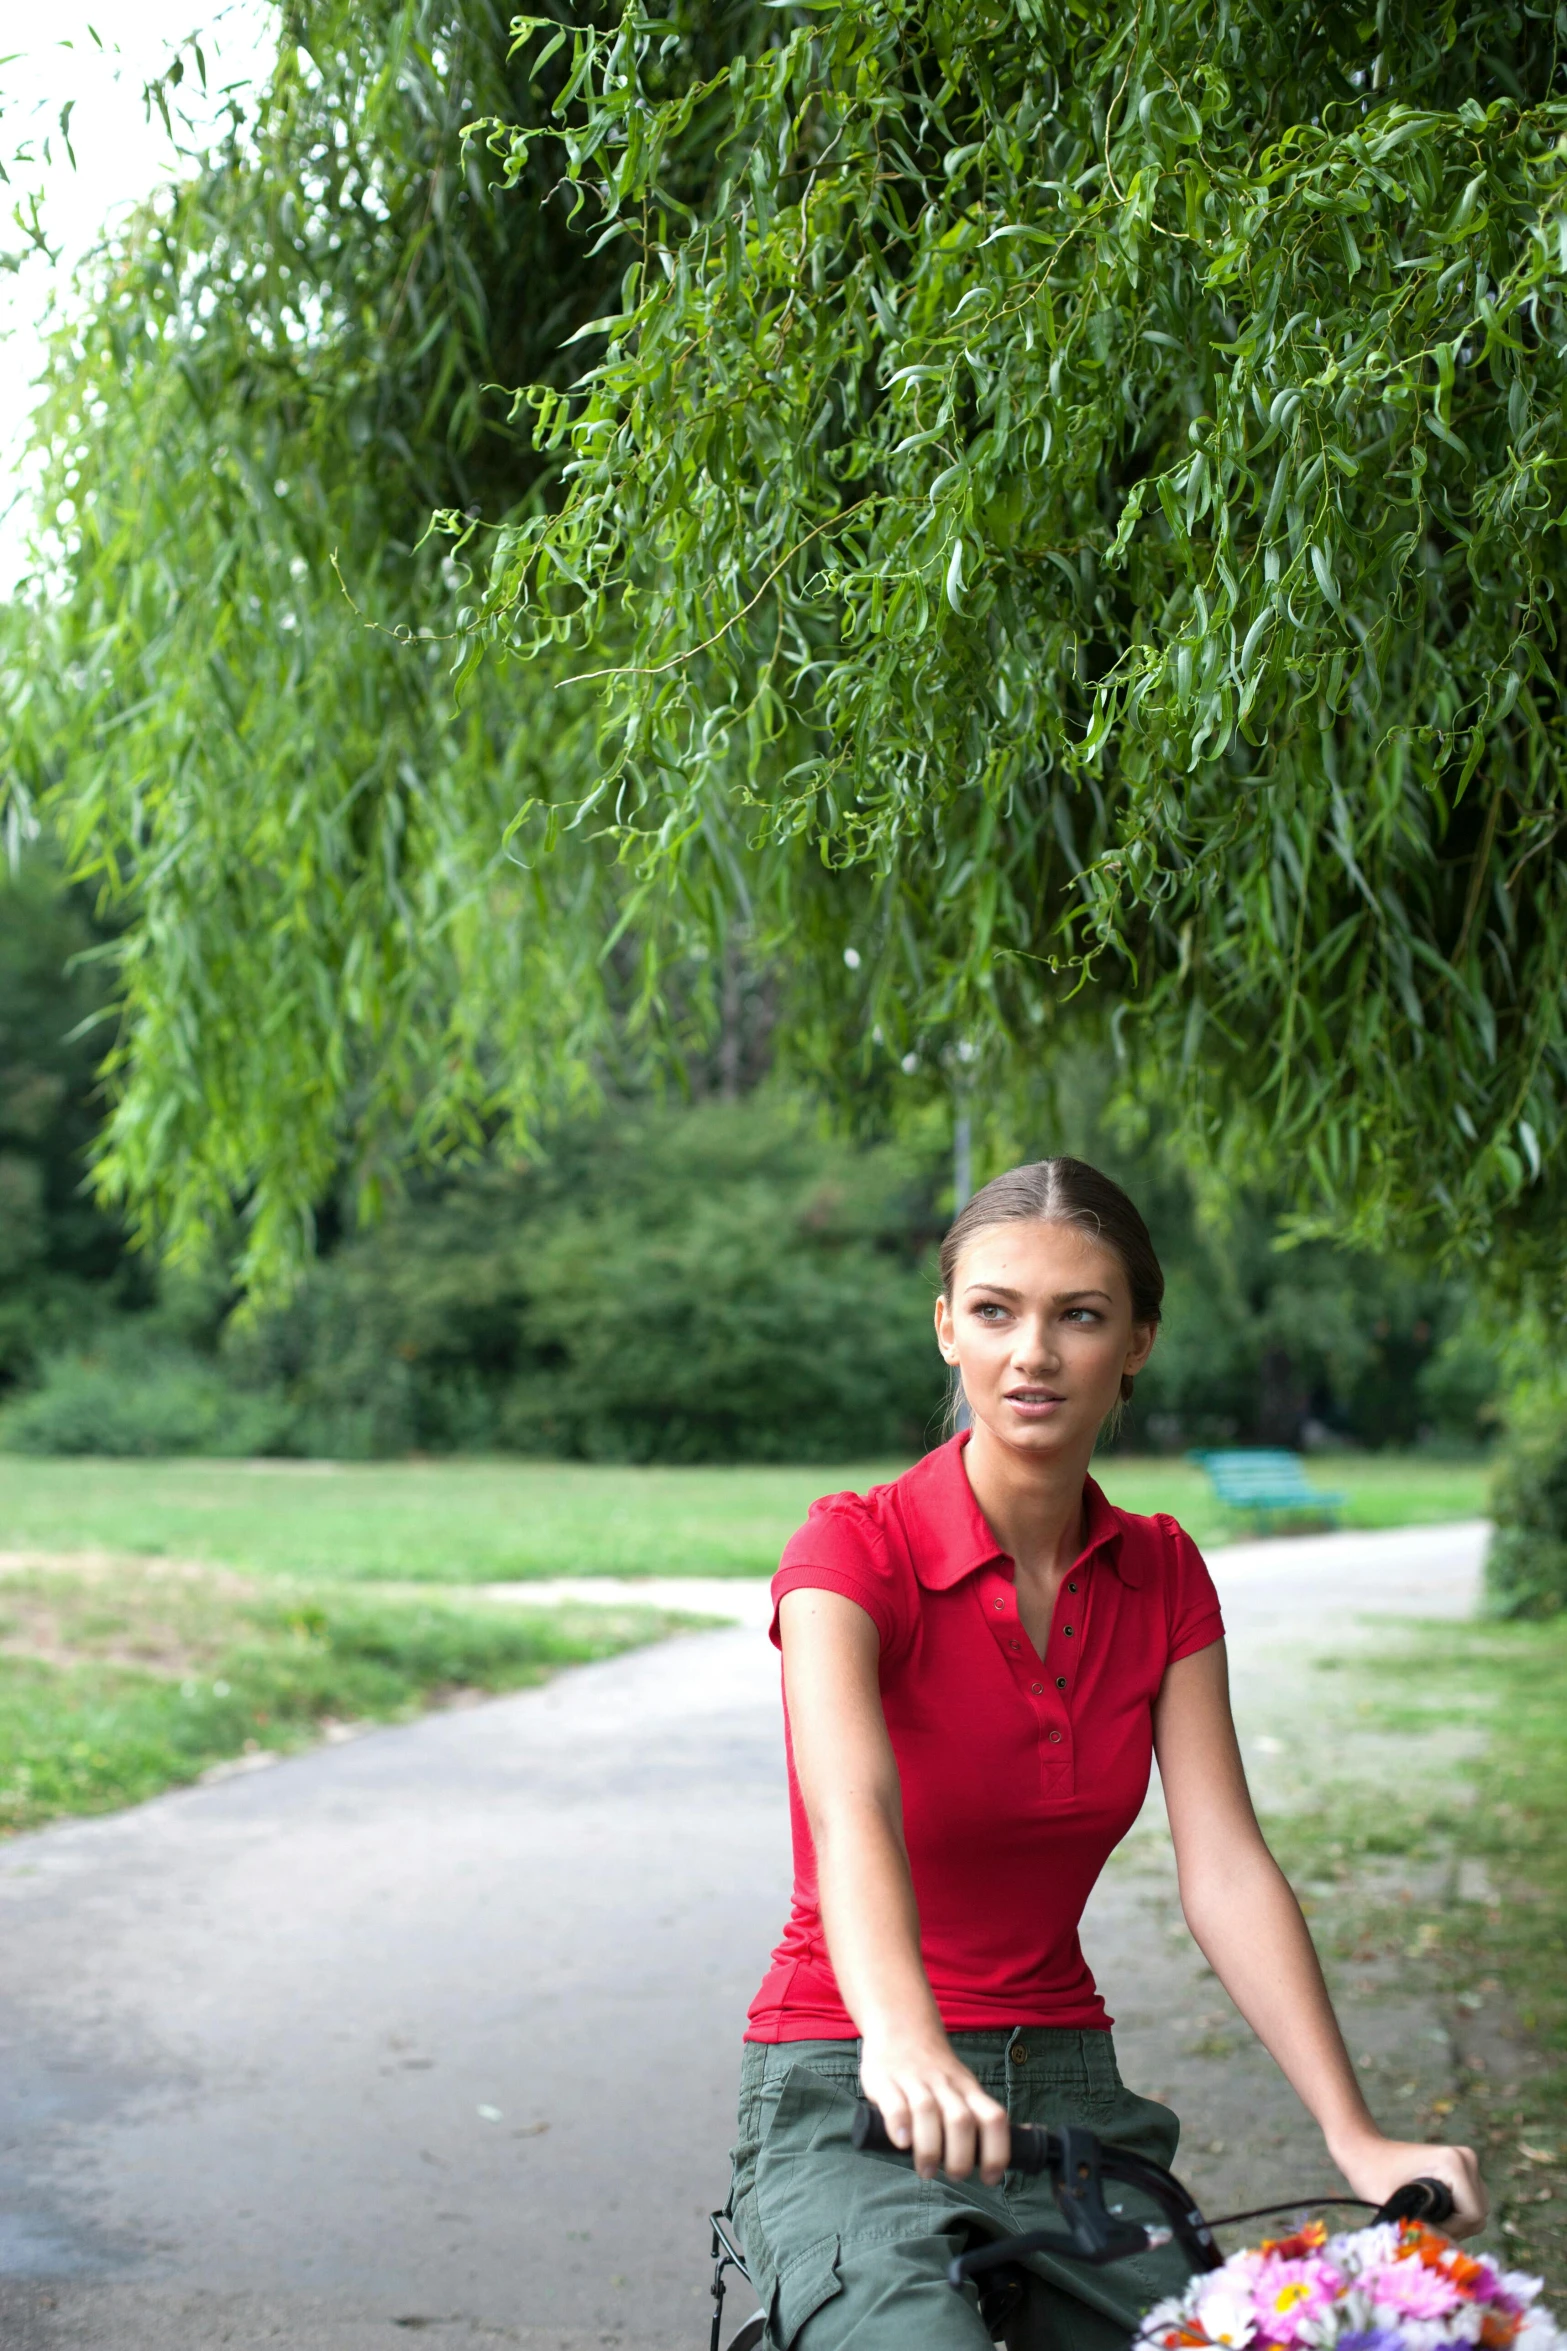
(459,1522)
(160,1617)
(121,1678)
(1380,1490)
(1483,1902)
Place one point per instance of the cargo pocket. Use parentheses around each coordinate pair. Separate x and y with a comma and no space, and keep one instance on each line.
(801,2181)
(789,2216)
(808,2282)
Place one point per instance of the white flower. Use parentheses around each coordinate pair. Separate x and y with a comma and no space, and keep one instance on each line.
(1419,2334)
(1361,2249)
(1463,2324)
(1224,2309)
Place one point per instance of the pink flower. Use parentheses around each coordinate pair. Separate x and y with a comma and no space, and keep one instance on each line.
(1413,2290)
(1287,2294)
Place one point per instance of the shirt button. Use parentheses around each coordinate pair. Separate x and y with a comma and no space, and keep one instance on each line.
(1060,1681)
(1038,1689)
(1066,1628)
(1071,1587)
(1019,2053)
(1015,1645)
(998,1604)
(1055,1738)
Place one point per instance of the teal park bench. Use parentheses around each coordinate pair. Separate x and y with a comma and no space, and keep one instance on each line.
(1263,1481)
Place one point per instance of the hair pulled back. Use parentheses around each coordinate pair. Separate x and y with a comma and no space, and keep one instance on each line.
(1065,1191)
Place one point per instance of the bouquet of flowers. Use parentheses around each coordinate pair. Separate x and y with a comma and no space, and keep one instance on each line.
(1397,2287)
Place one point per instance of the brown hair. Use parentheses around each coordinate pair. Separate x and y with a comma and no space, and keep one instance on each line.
(1065,1191)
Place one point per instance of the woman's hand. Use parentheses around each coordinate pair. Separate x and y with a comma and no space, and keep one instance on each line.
(932,2103)
(1375,2166)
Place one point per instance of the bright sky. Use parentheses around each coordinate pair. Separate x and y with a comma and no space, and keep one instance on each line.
(119,155)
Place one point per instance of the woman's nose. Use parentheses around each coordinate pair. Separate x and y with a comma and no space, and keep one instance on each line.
(1036,1348)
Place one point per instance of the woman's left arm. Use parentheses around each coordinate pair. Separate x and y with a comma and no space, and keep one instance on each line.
(1248,1926)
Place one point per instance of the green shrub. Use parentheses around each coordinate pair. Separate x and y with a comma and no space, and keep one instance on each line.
(722,1282)
(711,1284)
(730,1337)
(1526,1568)
(132,1397)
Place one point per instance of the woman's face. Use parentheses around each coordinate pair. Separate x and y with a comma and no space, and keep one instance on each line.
(1040,1327)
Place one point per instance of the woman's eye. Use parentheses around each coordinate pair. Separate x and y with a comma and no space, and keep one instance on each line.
(987,1312)
(1081,1314)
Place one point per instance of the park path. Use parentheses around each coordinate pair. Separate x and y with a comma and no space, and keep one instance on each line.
(434,2033)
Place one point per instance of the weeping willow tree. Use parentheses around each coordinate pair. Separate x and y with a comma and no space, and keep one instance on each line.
(1080,489)
(1043,518)
(227,689)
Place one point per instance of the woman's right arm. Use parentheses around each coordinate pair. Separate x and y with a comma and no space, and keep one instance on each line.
(848,1781)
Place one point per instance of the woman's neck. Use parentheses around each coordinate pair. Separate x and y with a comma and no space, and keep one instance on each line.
(1034,1507)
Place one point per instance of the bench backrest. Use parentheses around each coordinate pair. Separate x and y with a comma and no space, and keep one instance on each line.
(1257,1474)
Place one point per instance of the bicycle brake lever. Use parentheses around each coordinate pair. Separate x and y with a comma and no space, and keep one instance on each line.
(1098,2236)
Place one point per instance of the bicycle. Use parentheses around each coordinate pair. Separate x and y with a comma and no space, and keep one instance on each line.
(1077,2164)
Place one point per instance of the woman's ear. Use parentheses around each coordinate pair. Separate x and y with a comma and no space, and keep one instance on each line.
(944,1333)
(1137,1354)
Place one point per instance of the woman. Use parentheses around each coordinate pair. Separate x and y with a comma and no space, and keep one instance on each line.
(979,1662)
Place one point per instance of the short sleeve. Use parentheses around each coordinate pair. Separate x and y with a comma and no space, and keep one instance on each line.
(1192,1611)
(842,1548)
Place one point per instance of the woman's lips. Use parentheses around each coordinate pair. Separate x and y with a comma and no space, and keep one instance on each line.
(1035,1403)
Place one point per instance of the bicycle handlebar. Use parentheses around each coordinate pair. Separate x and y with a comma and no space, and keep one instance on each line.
(1423,2199)
(1030,2144)
(1077,2163)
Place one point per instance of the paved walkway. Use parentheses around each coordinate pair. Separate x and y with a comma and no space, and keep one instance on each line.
(434,2033)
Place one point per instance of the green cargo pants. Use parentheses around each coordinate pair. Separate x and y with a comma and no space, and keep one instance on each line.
(849,2252)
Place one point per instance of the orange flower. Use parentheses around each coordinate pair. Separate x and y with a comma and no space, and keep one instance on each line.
(1417,2242)
(1305,2240)
(1499,2327)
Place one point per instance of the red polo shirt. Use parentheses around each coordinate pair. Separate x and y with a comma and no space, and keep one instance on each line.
(1020,1773)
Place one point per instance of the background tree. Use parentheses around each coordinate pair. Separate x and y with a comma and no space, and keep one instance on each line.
(1080,490)
(759,1292)
(61,1259)
(1064,505)
(227,683)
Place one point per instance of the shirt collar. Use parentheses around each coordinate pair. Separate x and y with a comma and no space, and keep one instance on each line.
(950,1535)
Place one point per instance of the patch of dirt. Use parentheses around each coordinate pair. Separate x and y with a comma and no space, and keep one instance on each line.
(170,1617)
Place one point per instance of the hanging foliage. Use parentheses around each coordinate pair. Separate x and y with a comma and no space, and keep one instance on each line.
(1078,492)
(227,685)
(1057,510)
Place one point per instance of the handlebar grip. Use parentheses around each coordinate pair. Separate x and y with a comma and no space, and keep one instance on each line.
(869,2133)
(1423,2199)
